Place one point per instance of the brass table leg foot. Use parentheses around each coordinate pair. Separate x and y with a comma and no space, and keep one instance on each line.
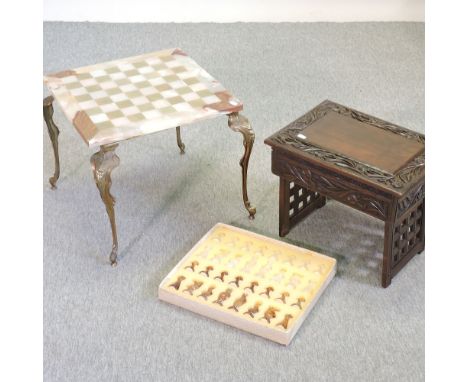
(48,111)
(103,162)
(239,123)
(179,141)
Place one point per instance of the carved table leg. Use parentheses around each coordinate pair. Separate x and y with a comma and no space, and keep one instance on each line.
(179,141)
(284,207)
(103,162)
(48,111)
(404,233)
(239,123)
(387,253)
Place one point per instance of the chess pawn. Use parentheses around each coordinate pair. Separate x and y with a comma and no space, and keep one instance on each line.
(299,302)
(283,297)
(261,273)
(219,237)
(223,296)
(237,281)
(239,302)
(252,286)
(176,284)
(232,242)
(193,287)
(267,291)
(260,251)
(309,287)
(246,246)
(205,253)
(278,277)
(284,323)
(207,271)
(275,256)
(254,309)
(222,275)
(249,266)
(207,293)
(294,281)
(269,314)
(233,263)
(320,269)
(305,265)
(218,258)
(192,266)
(290,260)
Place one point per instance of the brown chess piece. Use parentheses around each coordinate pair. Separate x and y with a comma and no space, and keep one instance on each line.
(253,310)
(269,314)
(176,285)
(285,321)
(223,296)
(207,270)
(299,302)
(267,291)
(239,302)
(192,266)
(237,281)
(207,293)
(222,276)
(252,286)
(283,297)
(193,287)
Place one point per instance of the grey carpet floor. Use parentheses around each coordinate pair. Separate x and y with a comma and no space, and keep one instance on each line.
(106,324)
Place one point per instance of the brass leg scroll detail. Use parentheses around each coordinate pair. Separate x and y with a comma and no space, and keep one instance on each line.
(48,111)
(241,124)
(103,162)
(179,141)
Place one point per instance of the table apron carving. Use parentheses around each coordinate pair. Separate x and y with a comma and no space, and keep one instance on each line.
(330,186)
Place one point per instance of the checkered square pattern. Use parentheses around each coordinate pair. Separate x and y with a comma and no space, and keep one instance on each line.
(122,99)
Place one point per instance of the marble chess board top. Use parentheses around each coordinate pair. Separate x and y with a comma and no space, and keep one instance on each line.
(117,100)
(261,285)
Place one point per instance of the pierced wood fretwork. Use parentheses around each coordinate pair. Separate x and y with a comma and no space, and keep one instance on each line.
(408,232)
(300,198)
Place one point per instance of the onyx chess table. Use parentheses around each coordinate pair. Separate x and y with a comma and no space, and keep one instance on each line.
(118,100)
(364,162)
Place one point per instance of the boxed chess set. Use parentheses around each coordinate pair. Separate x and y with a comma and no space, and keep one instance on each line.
(263,286)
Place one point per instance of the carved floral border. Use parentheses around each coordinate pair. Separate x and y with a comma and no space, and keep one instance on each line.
(410,171)
(334,188)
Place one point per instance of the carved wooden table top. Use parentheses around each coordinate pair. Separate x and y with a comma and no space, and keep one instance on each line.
(117,100)
(336,137)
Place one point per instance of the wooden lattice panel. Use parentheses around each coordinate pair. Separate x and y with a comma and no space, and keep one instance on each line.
(249,281)
(300,198)
(407,233)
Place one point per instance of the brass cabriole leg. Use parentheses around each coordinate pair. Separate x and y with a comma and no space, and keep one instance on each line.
(103,162)
(241,124)
(179,141)
(48,111)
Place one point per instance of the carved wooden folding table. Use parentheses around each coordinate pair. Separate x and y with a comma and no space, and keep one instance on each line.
(118,100)
(364,162)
